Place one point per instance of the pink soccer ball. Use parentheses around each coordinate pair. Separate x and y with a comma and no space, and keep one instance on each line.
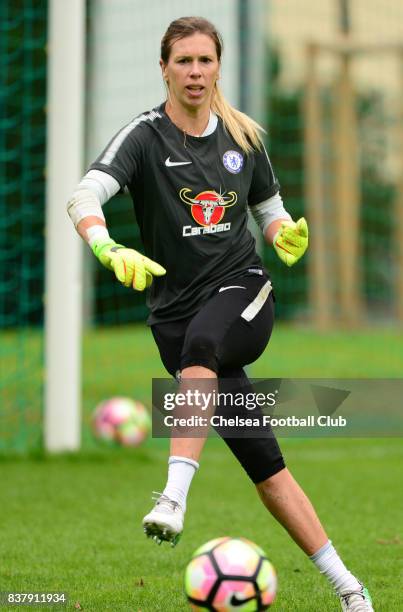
(230,574)
(121,420)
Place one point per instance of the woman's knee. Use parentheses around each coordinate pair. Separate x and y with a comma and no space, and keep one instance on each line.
(200,350)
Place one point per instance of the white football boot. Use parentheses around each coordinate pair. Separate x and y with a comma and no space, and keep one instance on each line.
(356,601)
(165,521)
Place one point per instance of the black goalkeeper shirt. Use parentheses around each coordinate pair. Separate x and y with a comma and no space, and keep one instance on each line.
(190,197)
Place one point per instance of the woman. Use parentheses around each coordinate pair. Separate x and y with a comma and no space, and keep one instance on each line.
(193,166)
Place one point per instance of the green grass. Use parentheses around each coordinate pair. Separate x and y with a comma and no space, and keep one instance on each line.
(296,352)
(123,360)
(73,523)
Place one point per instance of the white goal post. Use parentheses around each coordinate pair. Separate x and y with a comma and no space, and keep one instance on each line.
(63,302)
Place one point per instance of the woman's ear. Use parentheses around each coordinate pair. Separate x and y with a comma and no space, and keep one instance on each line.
(163,70)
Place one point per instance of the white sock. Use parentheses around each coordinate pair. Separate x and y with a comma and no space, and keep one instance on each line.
(180,473)
(329,563)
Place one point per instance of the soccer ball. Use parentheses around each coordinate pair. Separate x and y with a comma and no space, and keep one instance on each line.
(230,574)
(121,420)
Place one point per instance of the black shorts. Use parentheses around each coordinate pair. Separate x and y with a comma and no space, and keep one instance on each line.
(231,330)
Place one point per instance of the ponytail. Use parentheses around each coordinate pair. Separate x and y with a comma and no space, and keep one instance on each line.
(244,130)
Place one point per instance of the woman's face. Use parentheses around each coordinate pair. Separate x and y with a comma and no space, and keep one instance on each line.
(191,71)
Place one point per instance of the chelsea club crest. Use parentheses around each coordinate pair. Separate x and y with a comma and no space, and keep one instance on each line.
(233,161)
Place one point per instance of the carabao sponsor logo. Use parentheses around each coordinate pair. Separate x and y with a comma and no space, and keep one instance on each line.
(208,207)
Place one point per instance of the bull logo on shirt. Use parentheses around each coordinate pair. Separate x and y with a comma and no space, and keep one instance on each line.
(208,207)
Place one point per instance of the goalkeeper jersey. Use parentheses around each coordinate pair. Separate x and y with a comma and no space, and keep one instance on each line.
(190,196)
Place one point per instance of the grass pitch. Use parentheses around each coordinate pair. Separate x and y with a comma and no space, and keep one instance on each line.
(73,523)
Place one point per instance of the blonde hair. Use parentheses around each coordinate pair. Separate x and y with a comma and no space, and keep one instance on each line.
(244,130)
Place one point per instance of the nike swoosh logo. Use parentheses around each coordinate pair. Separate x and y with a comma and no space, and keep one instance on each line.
(240,602)
(169,163)
(230,287)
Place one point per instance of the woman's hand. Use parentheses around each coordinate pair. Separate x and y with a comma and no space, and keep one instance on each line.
(131,268)
(291,241)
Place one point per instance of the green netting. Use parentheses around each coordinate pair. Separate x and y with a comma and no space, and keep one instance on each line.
(285,128)
(22,189)
(380,157)
(377,119)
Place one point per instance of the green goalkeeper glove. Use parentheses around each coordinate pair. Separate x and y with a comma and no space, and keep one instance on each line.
(131,268)
(291,241)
